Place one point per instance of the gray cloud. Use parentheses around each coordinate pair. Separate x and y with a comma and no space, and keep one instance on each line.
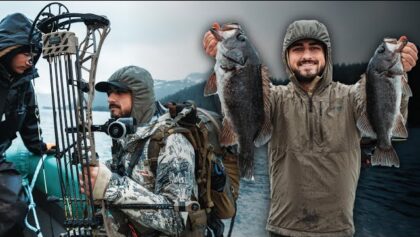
(165,37)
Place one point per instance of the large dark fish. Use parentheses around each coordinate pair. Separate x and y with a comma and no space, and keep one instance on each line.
(385,84)
(242,84)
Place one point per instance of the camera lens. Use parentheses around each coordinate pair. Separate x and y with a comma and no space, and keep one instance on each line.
(116,130)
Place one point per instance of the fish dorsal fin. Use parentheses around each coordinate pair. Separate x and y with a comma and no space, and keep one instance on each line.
(405,87)
(365,127)
(266,129)
(400,131)
(228,137)
(211,85)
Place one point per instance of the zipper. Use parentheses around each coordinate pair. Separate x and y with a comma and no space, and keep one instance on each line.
(311,123)
(310,104)
(320,122)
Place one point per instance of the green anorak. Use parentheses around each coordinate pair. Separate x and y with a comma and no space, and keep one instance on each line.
(314,153)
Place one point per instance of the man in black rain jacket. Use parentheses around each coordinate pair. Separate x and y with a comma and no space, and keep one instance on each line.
(18,113)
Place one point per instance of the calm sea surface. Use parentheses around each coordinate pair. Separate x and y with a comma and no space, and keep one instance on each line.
(387,200)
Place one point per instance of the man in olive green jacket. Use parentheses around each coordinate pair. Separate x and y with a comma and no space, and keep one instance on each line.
(314,153)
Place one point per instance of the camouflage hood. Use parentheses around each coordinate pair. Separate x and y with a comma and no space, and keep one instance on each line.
(140,83)
(308,29)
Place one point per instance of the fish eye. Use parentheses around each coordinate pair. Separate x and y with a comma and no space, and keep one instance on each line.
(241,37)
(381,49)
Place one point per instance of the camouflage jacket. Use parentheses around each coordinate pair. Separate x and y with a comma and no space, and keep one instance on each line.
(175,180)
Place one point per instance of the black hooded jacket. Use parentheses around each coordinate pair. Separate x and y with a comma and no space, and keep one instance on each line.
(18,110)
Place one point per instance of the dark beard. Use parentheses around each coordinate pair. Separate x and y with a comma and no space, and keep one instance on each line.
(303,79)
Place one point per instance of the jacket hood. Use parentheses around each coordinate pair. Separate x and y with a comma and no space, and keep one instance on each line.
(140,83)
(14,32)
(309,29)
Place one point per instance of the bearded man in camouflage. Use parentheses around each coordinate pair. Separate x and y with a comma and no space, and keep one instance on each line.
(314,152)
(131,94)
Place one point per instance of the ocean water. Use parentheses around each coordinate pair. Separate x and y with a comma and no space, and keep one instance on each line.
(387,200)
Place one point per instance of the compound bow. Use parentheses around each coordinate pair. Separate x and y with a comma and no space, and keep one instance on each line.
(70,63)
(72,67)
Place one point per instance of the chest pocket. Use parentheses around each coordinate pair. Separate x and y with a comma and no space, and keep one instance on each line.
(334,116)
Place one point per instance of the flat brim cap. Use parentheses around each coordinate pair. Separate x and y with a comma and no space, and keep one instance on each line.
(106,86)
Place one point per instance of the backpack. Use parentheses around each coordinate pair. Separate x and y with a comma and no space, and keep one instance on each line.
(202,129)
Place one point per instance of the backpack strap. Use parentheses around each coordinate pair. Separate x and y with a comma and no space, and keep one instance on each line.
(135,157)
(197,135)
(158,140)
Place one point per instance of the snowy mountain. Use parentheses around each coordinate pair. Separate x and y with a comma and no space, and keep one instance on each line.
(163,88)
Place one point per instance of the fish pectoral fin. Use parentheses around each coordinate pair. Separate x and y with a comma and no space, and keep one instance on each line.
(406,90)
(266,129)
(385,157)
(265,133)
(365,127)
(227,137)
(400,131)
(211,85)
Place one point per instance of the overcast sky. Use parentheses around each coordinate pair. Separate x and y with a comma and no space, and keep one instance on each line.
(165,37)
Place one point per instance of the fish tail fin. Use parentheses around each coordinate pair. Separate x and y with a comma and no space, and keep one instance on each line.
(365,127)
(266,129)
(405,87)
(211,85)
(227,136)
(400,131)
(246,166)
(385,157)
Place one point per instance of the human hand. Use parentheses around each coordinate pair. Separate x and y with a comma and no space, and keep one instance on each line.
(218,176)
(50,148)
(409,56)
(84,181)
(210,41)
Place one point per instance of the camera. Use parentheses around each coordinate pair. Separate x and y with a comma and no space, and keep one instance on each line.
(121,127)
(117,128)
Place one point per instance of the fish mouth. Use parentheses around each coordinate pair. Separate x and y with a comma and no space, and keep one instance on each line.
(403,42)
(216,34)
(239,60)
(400,43)
(227,69)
